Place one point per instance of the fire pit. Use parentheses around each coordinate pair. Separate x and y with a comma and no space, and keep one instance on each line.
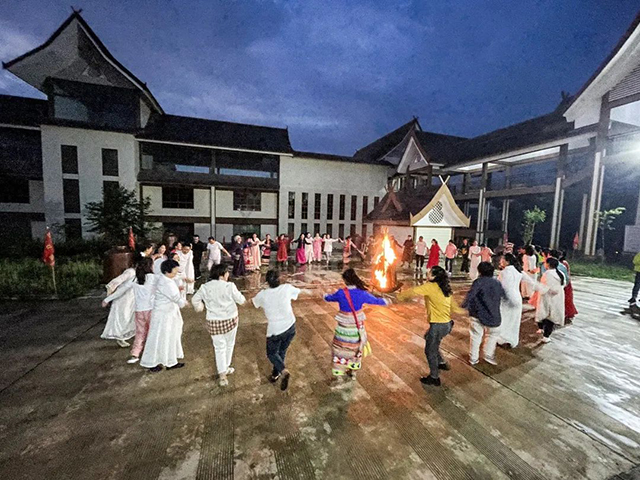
(383,272)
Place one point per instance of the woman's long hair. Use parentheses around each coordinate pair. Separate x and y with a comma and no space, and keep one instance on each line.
(512,260)
(145,265)
(441,277)
(553,263)
(350,277)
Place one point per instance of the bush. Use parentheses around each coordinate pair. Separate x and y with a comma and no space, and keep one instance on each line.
(30,278)
(80,249)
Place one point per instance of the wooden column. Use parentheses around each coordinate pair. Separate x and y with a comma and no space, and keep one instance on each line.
(480,230)
(429,175)
(558,194)
(595,191)
(506,204)
(583,219)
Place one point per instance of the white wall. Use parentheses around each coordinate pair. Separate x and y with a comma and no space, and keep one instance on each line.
(201,203)
(224,206)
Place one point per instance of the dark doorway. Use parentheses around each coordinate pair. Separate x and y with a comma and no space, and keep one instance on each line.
(184,231)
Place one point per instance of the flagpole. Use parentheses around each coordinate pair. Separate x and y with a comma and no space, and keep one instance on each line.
(53,274)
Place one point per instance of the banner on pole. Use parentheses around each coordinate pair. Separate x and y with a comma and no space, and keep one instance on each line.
(48,255)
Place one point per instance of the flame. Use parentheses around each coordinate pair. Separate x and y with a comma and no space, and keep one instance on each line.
(383,261)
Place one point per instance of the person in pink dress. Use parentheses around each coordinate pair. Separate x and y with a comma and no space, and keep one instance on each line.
(283,249)
(256,256)
(434,254)
(301,258)
(450,253)
(317,248)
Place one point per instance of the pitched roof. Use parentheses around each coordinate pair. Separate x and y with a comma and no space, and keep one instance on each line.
(215,133)
(383,145)
(410,200)
(433,144)
(22,110)
(338,158)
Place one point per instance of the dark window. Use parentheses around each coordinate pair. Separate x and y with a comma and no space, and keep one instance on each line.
(109,188)
(14,190)
(354,207)
(146,161)
(343,201)
(69,154)
(375,201)
(246,200)
(304,206)
(303,228)
(292,204)
(330,206)
(177,197)
(352,230)
(364,232)
(110,162)
(341,230)
(246,230)
(330,229)
(291,230)
(73,228)
(365,206)
(71,192)
(245,164)
(316,228)
(317,205)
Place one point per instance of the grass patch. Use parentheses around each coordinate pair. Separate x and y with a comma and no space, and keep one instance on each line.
(596,269)
(30,278)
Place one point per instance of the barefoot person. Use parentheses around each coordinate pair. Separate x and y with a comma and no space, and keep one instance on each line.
(350,337)
(164,341)
(438,299)
(220,297)
(281,323)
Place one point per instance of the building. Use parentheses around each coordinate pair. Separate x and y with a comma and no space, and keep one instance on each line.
(101,127)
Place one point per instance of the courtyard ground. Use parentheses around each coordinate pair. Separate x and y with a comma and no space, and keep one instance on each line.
(71,408)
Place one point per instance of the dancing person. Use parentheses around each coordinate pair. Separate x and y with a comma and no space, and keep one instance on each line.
(317,248)
(474,254)
(282,256)
(483,303)
(301,257)
(186,266)
(450,253)
(636,284)
(550,302)
(328,246)
(486,253)
(221,297)
(350,343)
(570,310)
(464,253)
(121,320)
(407,251)
(214,253)
(158,257)
(530,269)
(346,250)
(198,249)
(281,323)
(237,254)
(434,254)
(163,347)
(147,250)
(439,304)
(421,252)
(511,308)
(308,248)
(267,245)
(144,290)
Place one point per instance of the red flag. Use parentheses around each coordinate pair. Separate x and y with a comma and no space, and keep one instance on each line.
(132,239)
(576,241)
(48,256)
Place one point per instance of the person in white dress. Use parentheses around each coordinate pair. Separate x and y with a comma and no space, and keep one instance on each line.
(530,270)
(186,267)
(144,289)
(327,248)
(475,253)
(221,298)
(308,247)
(121,324)
(550,304)
(510,310)
(214,253)
(164,341)
(158,257)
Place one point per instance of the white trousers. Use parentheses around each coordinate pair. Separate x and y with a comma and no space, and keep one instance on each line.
(211,262)
(223,347)
(476,332)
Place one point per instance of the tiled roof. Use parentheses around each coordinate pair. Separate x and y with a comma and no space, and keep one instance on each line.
(215,133)
(24,111)
(383,145)
(412,201)
(338,158)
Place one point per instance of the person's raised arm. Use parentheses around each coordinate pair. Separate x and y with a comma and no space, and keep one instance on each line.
(373,300)
(237,296)
(118,293)
(332,297)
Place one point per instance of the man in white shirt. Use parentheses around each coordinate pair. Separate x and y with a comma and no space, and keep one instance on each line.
(221,298)
(214,253)
(281,323)
(421,251)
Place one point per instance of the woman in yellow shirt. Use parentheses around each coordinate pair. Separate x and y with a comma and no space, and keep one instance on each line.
(439,302)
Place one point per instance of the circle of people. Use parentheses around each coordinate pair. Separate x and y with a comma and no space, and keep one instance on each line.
(146,301)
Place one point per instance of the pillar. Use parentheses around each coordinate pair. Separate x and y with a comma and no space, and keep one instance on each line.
(557,197)
(212,212)
(480,230)
(583,218)
(506,204)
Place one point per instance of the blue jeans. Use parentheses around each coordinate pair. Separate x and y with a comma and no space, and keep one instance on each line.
(277,346)
(433,337)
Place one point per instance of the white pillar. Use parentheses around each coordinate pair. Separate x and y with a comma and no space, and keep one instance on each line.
(583,214)
(212,211)
(559,227)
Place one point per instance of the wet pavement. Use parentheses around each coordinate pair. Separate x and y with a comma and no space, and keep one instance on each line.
(71,408)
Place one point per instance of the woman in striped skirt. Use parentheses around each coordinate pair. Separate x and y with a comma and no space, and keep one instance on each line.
(350,337)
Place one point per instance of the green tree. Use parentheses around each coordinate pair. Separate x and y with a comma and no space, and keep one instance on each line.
(605,220)
(531,219)
(119,210)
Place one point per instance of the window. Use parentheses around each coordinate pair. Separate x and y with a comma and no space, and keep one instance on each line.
(354,207)
(375,201)
(246,229)
(146,161)
(247,201)
(109,188)
(177,197)
(292,204)
(316,206)
(316,228)
(343,201)
(69,154)
(72,228)
(330,206)
(109,162)
(304,206)
(352,230)
(71,195)
(341,230)
(365,206)
(303,228)
(330,229)
(291,230)
(245,164)
(192,169)
(364,232)
(14,190)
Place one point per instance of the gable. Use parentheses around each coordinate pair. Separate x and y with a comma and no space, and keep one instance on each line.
(412,159)
(441,211)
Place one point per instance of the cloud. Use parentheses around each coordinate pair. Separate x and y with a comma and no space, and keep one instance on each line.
(14,43)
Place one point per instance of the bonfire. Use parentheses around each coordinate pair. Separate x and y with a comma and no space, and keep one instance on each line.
(383,274)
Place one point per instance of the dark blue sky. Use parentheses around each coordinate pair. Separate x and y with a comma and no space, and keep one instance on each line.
(341,73)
